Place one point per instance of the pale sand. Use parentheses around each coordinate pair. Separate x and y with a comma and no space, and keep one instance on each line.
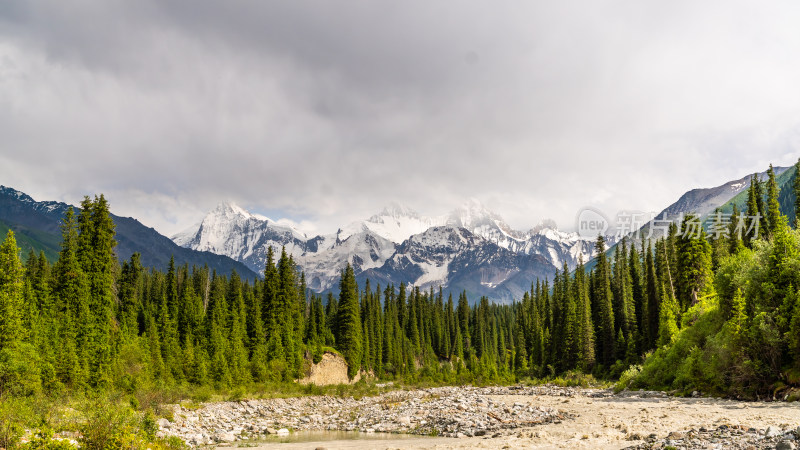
(605,423)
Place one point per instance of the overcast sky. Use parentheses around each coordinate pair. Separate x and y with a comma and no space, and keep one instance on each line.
(325,111)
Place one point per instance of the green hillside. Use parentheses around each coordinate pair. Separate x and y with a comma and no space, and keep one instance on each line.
(785,197)
(29,239)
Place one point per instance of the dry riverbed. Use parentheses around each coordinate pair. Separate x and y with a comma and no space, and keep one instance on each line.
(498,417)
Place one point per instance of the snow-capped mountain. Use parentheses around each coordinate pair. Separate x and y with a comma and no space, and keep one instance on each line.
(395,223)
(470,248)
(232,231)
(545,239)
(324,262)
(459,260)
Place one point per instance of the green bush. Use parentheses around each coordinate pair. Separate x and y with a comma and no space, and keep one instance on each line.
(14,412)
(627,378)
(19,371)
(43,440)
(110,424)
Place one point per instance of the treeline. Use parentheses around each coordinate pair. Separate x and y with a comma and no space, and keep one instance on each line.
(87,322)
(716,310)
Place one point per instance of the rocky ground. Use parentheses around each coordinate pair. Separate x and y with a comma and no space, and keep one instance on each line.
(726,437)
(445,411)
(502,417)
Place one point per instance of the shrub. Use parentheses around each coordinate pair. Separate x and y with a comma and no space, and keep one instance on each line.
(43,440)
(627,378)
(13,412)
(19,371)
(108,426)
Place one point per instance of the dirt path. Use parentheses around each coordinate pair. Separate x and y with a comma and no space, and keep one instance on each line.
(609,422)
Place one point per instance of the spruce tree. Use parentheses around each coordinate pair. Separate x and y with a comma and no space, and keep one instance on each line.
(217,333)
(412,327)
(624,314)
(639,306)
(668,317)
(760,195)
(521,354)
(695,274)
(652,284)
(571,333)
(128,294)
(156,365)
(11,293)
(348,322)
(72,296)
(737,316)
(463,321)
(96,252)
(719,236)
(274,315)
(237,334)
(587,342)
(605,312)
(290,313)
(796,189)
(755,221)
(735,233)
(773,212)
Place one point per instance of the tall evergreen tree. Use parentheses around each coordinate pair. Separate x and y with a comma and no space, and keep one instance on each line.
(348,322)
(639,306)
(773,212)
(586,340)
(11,293)
(96,252)
(652,286)
(668,317)
(695,274)
(755,210)
(72,293)
(796,190)
(735,232)
(605,311)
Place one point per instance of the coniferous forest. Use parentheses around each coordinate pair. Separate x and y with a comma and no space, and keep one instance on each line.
(709,311)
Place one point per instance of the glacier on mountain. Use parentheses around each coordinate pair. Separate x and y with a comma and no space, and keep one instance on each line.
(398,245)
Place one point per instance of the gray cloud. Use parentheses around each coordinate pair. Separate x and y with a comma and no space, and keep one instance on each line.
(328,110)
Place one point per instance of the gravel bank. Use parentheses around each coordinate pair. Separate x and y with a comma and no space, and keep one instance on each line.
(503,417)
(446,411)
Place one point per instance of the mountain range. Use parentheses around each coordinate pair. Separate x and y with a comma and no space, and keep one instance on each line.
(469,249)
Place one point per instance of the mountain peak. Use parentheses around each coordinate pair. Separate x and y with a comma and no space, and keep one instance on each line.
(543,225)
(230,210)
(11,192)
(397,210)
(473,214)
